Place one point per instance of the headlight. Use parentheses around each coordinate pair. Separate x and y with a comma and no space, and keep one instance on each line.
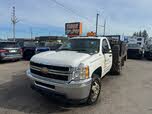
(81,72)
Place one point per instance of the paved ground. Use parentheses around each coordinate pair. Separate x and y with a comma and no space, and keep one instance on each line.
(130,93)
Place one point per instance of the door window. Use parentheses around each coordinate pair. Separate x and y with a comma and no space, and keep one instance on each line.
(105,46)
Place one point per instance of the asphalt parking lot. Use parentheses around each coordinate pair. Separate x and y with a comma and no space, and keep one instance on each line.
(129,93)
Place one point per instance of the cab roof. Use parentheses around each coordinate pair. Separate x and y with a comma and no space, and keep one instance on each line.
(88,37)
(7,41)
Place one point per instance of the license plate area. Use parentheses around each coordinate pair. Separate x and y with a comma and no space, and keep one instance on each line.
(12,51)
(45,85)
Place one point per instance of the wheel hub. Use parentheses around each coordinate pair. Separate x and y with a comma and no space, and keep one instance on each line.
(95,91)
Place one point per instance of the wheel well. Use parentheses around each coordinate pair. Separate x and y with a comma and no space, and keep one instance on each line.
(98,71)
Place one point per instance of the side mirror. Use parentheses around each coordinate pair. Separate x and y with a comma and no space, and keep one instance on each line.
(105,50)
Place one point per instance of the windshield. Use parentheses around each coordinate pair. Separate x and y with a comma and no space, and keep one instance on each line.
(8,45)
(29,44)
(40,44)
(82,45)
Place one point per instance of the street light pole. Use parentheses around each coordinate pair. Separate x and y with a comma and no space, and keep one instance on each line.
(14,21)
(104,30)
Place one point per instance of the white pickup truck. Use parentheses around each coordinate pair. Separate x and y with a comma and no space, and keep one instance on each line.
(74,71)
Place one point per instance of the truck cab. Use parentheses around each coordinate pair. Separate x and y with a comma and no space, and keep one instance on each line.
(136,47)
(74,70)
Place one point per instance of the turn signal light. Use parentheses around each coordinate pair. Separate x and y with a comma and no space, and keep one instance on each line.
(87,72)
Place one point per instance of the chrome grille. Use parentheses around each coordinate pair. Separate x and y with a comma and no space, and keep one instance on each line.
(53,72)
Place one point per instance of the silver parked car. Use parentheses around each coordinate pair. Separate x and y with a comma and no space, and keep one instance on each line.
(10,51)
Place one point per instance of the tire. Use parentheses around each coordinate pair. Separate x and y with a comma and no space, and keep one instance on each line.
(123,62)
(117,61)
(126,58)
(118,71)
(95,87)
(28,54)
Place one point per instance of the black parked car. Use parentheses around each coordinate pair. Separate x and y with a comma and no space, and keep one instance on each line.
(10,51)
(28,49)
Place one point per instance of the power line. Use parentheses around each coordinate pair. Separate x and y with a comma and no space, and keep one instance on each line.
(72,11)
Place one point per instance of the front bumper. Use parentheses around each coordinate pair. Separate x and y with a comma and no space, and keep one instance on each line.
(132,53)
(148,54)
(72,90)
(12,57)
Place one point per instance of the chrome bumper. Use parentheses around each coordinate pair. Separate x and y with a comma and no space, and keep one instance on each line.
(72,90)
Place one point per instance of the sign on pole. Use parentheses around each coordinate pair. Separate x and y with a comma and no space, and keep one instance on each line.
(73,29)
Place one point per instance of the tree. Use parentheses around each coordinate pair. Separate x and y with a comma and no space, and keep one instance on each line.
(145,34)
(137,34)
(134,34)
(140,34)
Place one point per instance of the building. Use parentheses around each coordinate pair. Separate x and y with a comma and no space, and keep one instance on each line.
(51,38)
(21,39)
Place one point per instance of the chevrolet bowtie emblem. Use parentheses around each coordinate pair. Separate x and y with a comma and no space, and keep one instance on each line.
(44,70)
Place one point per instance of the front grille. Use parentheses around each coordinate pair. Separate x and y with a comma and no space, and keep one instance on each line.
(52,72)
(58,68)
(50,75)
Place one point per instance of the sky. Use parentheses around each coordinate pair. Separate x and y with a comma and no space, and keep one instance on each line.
(45,17)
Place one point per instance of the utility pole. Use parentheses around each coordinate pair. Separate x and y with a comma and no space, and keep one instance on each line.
(31,32)
(97,24)
(104,30)
(14,21)
(49,33)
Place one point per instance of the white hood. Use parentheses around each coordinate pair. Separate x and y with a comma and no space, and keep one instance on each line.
(60,58)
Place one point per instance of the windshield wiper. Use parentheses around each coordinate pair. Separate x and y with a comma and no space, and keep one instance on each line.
(80,50)
(63,49)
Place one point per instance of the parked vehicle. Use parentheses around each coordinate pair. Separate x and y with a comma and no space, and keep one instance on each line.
(136,47)
(10,51)
(148,49)
(41,47)
(28,48)
(74,71)
(46,46)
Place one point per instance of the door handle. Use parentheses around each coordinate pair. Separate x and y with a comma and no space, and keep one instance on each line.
(110,55)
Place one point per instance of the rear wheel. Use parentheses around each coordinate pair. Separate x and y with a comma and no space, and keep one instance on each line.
(119,68)
(95,90)
(28,54)
(118,61)
(118,72)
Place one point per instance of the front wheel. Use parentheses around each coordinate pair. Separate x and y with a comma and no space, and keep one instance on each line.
(95,90)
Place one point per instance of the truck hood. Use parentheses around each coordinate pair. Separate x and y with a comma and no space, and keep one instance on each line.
(60,58)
